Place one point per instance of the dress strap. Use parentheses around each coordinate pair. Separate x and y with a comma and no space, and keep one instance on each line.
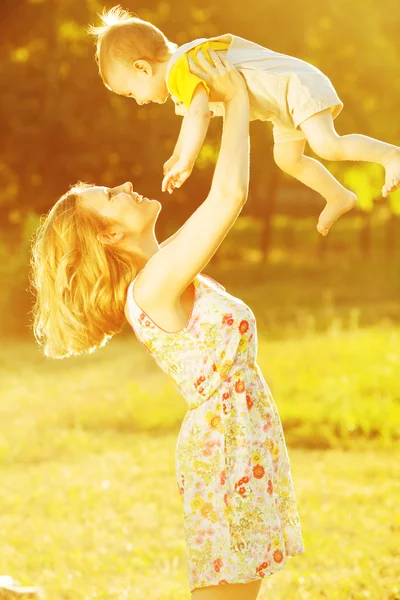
(133,308)
(213,280)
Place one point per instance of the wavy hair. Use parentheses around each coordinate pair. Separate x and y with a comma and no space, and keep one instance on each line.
(125,38)
(79,283)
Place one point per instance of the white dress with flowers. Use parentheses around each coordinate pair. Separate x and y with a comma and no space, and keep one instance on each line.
(232,466)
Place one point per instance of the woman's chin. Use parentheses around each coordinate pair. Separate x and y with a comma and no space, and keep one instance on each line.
(155,202)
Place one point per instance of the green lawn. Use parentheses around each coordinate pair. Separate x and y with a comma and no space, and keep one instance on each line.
(89,507)
(89,504)
(106,523)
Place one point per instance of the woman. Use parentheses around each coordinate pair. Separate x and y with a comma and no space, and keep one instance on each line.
(96,259)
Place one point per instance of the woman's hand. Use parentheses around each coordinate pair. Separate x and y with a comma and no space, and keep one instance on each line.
(223,79)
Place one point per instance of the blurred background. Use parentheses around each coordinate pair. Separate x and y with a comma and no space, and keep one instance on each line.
(89,506)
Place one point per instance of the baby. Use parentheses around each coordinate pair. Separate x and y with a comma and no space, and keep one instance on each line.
(138,61)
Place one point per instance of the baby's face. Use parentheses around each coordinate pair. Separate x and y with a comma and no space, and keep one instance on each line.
(143,82)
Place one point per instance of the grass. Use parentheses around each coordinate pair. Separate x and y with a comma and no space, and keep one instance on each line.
(89,507)
(107,524)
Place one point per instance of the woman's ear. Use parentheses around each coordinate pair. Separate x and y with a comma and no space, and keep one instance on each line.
(143,67)
(110,237)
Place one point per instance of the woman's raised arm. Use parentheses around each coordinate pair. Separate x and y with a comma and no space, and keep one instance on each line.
(171,270)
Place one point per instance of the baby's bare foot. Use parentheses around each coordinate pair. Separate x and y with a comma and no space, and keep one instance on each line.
(392,178)
(334,209)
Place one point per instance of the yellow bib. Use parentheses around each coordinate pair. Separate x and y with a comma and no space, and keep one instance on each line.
(181,81)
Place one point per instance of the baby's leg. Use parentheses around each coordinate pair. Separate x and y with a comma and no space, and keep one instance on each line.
(290,158)
(325,141)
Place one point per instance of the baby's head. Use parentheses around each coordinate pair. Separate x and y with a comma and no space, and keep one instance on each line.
(132,55)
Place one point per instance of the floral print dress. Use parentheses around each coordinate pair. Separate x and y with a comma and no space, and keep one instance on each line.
(232,466)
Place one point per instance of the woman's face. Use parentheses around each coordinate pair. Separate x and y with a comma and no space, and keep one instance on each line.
(134,213)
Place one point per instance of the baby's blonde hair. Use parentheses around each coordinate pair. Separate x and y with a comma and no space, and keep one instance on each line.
(80,283)
(125,38)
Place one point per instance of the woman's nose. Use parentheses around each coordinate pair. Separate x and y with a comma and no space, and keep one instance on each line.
(127,187)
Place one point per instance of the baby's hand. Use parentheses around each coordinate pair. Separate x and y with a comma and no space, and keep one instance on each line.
(177,175)
(170,163)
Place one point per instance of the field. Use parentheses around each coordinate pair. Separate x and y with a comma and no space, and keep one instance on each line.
(89,503)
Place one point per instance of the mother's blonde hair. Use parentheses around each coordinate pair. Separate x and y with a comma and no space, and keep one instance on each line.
(79,282)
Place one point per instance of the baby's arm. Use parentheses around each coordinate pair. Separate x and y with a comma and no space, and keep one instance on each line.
(196,125)
(178,147)
(191,137)
(181,137)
